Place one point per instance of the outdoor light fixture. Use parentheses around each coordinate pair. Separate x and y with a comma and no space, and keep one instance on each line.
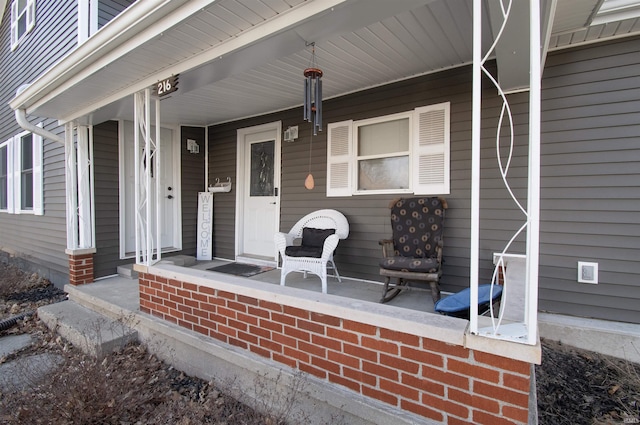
(313,93)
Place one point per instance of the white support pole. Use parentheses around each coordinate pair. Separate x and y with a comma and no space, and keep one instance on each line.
(71,187)
(206,158)
(148,161)
(533,231)
(92,188)
(159,188)
(475,165)
(136,173)
(84,188)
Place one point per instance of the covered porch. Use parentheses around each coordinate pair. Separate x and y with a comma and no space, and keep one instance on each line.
(248,76)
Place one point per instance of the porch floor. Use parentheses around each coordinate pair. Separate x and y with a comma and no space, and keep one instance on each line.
(123,292)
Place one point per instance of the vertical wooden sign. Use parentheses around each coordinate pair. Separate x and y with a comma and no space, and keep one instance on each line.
(205,226)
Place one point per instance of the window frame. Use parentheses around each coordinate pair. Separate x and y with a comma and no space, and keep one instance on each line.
(15,204)
(429,153)
(357,158)
(29,13)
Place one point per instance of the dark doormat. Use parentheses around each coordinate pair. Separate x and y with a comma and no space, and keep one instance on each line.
(240,269)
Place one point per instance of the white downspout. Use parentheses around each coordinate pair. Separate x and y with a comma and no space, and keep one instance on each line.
(21,119)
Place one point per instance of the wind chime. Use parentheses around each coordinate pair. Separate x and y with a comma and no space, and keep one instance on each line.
(312,105)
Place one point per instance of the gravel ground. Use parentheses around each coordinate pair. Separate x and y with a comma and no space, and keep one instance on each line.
(573,386)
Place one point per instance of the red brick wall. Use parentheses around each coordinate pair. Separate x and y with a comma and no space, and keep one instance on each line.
(443,382)
(80,269)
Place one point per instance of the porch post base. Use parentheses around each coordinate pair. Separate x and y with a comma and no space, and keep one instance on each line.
(81,266)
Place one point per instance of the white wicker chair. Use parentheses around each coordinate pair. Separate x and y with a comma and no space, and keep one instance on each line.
(321,219)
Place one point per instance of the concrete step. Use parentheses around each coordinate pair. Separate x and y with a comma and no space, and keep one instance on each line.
(127,271)
(179,260)
(92,332)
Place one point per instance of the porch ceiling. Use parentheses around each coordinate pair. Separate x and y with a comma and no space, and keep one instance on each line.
(239,58)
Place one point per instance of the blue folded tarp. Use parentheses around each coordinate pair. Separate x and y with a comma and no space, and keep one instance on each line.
(459,304)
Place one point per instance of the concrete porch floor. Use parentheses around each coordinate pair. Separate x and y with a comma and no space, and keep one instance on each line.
(349,288)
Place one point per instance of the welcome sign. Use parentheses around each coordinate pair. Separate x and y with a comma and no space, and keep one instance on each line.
(205,226)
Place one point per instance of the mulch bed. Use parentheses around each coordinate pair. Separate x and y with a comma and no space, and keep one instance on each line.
(582,387)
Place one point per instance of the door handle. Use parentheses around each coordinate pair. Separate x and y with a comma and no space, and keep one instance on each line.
(170,197)
(272,203)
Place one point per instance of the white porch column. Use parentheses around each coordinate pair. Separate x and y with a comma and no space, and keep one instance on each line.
(79,186)
(148,191)
(524,330)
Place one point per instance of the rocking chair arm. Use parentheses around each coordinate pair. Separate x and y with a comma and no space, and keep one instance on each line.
(439,251)
(387,247)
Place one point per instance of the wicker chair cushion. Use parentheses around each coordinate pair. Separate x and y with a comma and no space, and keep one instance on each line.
(408,264)
(417,226)
(304,251)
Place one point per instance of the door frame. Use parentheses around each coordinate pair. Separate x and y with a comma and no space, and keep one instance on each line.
(241,169)
(177,206)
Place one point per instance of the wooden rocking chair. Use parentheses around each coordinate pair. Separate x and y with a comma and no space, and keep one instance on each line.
(415,252)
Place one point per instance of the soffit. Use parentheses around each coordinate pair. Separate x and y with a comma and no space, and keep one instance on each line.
(359,44)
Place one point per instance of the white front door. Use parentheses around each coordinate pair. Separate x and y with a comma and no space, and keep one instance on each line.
(258,197)
(171,233)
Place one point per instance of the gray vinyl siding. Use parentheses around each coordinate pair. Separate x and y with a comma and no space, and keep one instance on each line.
(192,182)
(222,164)
(38,242)
(109,9)
(590,180)
(107,199)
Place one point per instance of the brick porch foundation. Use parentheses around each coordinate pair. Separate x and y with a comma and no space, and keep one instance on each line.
(443,382)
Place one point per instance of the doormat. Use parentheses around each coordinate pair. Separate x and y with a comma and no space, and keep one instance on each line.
(241,269)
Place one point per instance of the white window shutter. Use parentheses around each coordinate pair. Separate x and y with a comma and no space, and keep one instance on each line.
(339,164)
(17,178)
(31,14)
(10,171)
(431,147)
(14,24)
(38,193)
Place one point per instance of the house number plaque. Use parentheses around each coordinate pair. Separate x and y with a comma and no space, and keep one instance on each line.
(166,86)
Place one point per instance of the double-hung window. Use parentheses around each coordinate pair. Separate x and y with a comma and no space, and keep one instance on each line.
(23,19)
(21,175)
(406,152)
